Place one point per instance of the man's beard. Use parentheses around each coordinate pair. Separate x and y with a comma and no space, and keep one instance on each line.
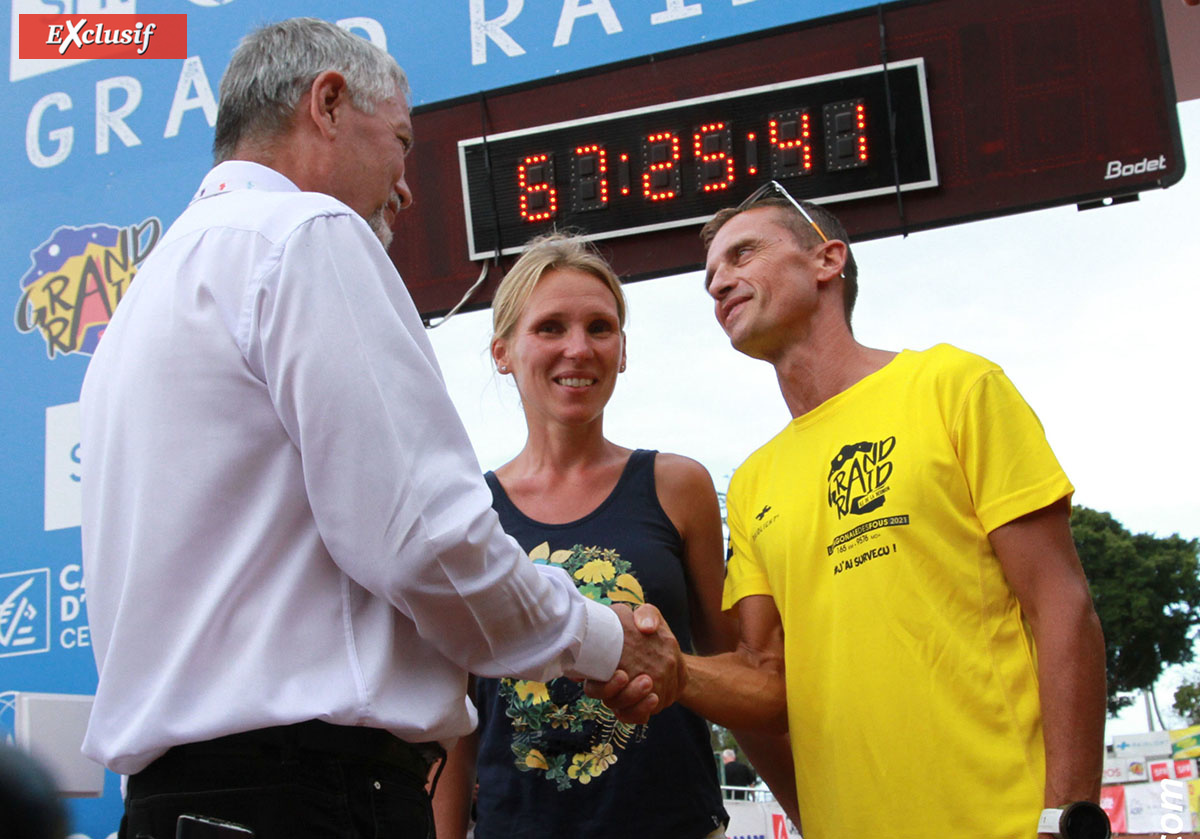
(379,227)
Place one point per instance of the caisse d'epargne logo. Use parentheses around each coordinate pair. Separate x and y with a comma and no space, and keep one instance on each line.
(24,612)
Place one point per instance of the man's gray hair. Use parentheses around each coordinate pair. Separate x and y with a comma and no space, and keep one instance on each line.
(273,67)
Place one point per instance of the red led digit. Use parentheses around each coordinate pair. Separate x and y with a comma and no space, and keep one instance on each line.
(589,177)
(539,198)
(790,133)
(660,179)
(846,135)
(860,113)
(714,162)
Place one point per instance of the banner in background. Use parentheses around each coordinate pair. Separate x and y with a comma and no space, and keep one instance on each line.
(1157,807)
(1112,799)
(1194,803)
(1185,742)
(1121,770)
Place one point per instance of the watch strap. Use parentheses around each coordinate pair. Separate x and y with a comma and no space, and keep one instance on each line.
(1079,820)
(1050,821)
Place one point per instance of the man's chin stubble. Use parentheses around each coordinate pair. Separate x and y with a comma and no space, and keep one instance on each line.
(379,227)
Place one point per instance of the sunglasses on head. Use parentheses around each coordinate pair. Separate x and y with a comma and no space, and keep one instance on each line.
(772,188)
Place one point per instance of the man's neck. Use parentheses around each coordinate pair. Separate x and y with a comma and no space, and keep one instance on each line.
(289,157)
(813,372)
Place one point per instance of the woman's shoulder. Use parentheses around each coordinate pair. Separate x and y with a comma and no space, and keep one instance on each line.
(676,474)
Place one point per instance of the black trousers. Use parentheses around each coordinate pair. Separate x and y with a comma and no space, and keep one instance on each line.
(307,781)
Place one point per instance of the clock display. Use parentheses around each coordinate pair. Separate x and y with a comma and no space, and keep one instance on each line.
(827,138)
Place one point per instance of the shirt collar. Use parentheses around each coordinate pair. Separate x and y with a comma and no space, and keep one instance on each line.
(233,175)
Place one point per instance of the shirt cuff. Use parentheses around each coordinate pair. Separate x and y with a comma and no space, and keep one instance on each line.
(603,641)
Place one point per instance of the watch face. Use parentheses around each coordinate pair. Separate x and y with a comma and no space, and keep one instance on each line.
(1085,820)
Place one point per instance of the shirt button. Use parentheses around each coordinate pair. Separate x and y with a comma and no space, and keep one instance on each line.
(378,785)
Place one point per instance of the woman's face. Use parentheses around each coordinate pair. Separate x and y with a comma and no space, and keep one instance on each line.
(566,348)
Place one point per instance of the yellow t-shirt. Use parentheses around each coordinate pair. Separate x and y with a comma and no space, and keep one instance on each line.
(912,686)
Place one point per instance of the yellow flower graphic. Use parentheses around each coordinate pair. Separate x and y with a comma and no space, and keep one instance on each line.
(596,571)
(534,692)
(582,767)
(561,717)
(628,590)
(588,765)
(572,743)
(559,557)
(603,755)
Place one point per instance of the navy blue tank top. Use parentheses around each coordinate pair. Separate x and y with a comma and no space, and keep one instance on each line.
(553,762)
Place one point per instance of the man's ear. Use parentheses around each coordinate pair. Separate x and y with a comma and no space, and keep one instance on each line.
(833,258)
(326,95)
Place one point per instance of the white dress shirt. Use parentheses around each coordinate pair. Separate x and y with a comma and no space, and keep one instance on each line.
(283,518)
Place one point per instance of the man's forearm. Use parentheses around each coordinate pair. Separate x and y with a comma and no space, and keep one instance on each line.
(737,693)
(1070,650)
(1037,553)
(455,789)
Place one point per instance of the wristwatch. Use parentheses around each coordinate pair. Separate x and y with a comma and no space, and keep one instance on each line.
(1081,820)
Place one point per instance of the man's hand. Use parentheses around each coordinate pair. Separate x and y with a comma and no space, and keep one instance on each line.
(650,675)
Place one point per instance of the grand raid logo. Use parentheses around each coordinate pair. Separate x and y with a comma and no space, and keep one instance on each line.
(78,277)
(858,477)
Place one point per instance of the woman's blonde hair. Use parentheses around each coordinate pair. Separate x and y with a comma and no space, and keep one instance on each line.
(552,252)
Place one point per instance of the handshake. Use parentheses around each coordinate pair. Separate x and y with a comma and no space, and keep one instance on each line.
(651,674)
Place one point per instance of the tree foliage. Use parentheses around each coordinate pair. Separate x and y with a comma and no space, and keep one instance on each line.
(1147,594)
(1187,700)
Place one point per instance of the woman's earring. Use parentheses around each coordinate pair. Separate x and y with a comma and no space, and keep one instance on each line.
(503,369)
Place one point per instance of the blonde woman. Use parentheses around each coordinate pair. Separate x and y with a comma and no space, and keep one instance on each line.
(627,526)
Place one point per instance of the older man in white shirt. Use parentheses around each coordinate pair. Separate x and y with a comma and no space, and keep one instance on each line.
(291,558)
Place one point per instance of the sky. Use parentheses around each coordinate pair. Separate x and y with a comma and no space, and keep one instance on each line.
(1091,314)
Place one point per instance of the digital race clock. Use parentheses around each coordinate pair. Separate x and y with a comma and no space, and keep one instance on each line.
(826,138)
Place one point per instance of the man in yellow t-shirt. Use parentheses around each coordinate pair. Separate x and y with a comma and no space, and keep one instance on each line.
(911,605)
